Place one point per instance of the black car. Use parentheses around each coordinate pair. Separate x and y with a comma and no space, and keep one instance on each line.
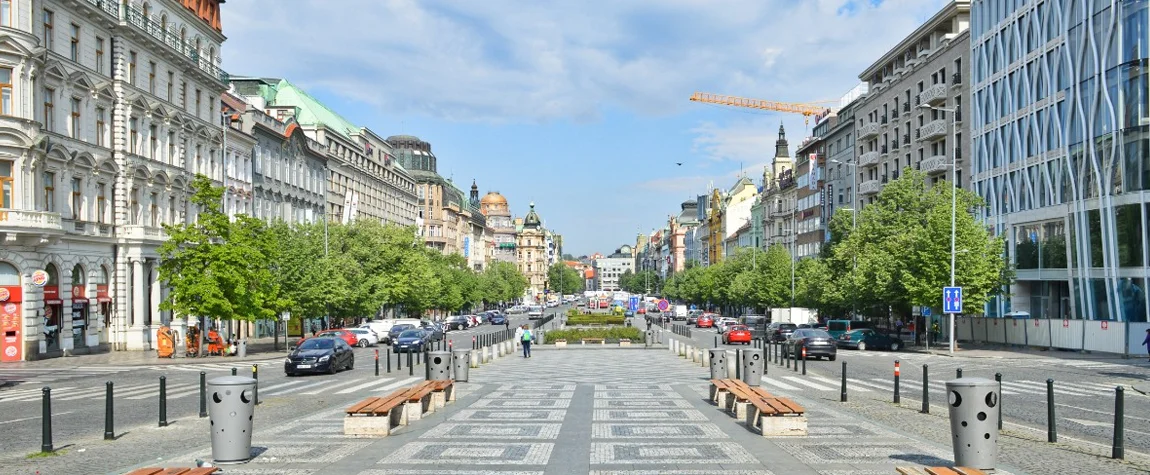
(396,330)
(435,331)
(819,344)
(779,331)
(411,341)
(320,355)
(458,322)
(497,319)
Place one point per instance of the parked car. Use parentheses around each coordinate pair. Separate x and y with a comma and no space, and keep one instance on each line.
(819,344)
(757,324)
(629,313)
(411,341)
(366,337)
(346,335)
(457,322)
(535,312)
(705,320)
(320,355)
(435,331)
(868,339)
(779,331)
(498,319)
(837,327)
(396,330)
(737,334)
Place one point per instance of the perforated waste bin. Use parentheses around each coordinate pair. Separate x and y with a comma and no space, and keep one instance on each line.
(461,363)
(438,366)
(650,337)
(752,367)
(973,406)
(718,363)
(231,407)
(243,348)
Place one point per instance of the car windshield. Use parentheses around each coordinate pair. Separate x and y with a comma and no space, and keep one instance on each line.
(331,334)
(736,328)
(816,334)
(411,334)
(399,328)
(318,344)
(359,331)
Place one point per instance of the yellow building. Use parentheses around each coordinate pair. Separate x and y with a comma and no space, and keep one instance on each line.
(531,246)
(715,228)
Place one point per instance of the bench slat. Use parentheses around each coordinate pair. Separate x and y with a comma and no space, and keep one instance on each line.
(763,405)
(145,471)
(779,407)
(760,392)
(791,405)
(362,404)
(969,471)
(203,471)
(442,385)
(907,471)
(941,471)
(176,471)
(383,405)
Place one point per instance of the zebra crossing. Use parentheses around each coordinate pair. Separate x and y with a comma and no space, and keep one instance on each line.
(151,390)
(48,375)
(211,367)
(866,385)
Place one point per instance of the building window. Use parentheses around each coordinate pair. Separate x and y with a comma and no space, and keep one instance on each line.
(101,202)
(6,183)
(77,200)
(171,85)
(184,95)
(6,13)
(152,77)
(6,91)
(133,134)
(47,39)
(172,148)
(132,67)
(134,206)
(154,143)
(49,110)
(74,126)
(101,125)
(154,210)
(49,191)
(199,95)
(99,55)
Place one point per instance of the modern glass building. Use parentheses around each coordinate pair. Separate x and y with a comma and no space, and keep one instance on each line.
(1062,151)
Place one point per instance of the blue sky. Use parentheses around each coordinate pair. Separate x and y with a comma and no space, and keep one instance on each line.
(580,106)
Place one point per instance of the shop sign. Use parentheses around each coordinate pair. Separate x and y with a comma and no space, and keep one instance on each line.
(79,292)
(52,295)
(4,294)
(102,293)
(39,278)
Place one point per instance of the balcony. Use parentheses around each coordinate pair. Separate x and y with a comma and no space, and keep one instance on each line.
(906,106)
(934,129)
(869,159)
(906,139)
(85,228)
(935,165)
(18,221)
(894,144)
(884,120)
(136,18)
(139,232)
(885,150)
(868,130)
(933,95)
(870,187)
(956,79)
(506,245)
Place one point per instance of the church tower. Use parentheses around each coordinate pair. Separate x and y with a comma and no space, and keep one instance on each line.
(782,153)
(474,194)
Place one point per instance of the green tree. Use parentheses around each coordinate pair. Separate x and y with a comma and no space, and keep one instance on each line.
(504,282)
(563,280)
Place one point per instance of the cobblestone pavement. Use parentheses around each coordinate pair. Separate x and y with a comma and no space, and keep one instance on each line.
(575,411)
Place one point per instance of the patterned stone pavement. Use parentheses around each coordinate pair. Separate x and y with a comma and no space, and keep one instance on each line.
(572,411)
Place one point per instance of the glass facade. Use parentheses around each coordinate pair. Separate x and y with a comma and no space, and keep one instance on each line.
(1061,140)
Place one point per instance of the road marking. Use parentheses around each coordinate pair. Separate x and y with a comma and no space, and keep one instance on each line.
(1143,419)
(332,386)
(88,392)
(361,386)
(778,384)
(155,391)
(284,391)
(28,393)
(796,379)
(283,385)
(1068,391)
(33,418)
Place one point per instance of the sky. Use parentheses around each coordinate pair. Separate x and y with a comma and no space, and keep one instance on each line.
(580,106)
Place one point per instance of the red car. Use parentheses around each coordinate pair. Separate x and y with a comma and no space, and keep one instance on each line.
(737,333)
(347,336)
(705,320)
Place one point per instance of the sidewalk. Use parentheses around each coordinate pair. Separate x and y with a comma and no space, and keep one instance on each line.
(575,411)
(260,349)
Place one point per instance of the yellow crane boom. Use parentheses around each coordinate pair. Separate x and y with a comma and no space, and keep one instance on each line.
(806,109)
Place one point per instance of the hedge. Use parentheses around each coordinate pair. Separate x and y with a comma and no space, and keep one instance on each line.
(614,333)
(586,319)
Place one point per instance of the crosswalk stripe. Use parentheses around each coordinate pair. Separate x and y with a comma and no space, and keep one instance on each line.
(87,392)
(825,380)
(1061,388)
(287,390)
(796,379)
(155,391)
(27,393)
(778,384)
(1024,388)
(361,386)
(1096,388)
(397,384)
(331,387)
(282,385)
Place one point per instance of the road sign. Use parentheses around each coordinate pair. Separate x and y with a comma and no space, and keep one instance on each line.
(926,311)
(633,304)
(693,307)
(664,305)
(952,300)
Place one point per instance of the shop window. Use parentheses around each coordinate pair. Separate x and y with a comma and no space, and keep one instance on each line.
(8,274)
(78,276)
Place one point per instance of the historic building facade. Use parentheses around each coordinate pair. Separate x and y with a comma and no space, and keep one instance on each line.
(531,248)
(289,170)
(444,211)
(501,246)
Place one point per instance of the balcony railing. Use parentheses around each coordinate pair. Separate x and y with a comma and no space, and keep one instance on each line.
(884,120)
(142,232)
(884,149)
(936,164)
(137,19)
(906,139)
(870,187)
(933,129)
(868,130)
(869,159)
(934,94)
(956,79)
(18,219)
(894,144)
(906,106)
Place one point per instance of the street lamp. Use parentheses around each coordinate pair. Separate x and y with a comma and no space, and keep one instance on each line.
(953,197)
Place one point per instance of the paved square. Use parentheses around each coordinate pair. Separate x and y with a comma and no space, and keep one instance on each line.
(530,394)
(657,431)
(664,453)
(682,472)
(281,452)
(505,415)
(642,403)
(637,394)
(441,472)
(829,428)
(658,387)
(865,452)
(536,387)
(522,403)
(610,415)
(470,453)
(491,431)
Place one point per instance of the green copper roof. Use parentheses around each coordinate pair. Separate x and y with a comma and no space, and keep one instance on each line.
(310,110)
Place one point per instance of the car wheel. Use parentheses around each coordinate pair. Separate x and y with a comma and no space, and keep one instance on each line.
(830,358)
(363,343)
(350,364)
(332,368)
(894,346)
(862,346)
(290,374)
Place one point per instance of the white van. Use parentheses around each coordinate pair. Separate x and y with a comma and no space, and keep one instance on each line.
(385,325)
(680,312)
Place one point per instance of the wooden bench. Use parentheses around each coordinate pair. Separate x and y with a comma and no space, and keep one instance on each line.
(776,416)
(584,341)
(442,392)
(418,402)
(939,471)
(174,471)
(375,416)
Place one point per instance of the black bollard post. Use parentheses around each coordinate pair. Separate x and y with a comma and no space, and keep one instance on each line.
(388,360)
(163,401)
(233,371)
(787,355)
(896,376)
(716,341)
(426,366)
(796,357)
(109,429)
(377,363)
(410,367)
(1119,449)
(738,366)
(925,389)
(203,394)
(843,388)
(958,373)
(1051,427)
(256,389)
(998,378)
(46,420)
(804,360)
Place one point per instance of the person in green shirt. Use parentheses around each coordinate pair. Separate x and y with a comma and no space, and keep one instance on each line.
(526,340)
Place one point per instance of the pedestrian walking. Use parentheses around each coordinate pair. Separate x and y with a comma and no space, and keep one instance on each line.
(526,339)
(934,332)
(518,335)
(1146,342)
(507,323)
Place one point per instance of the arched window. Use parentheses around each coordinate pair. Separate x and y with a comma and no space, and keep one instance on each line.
(102,277)
(147,11)
(53,275)
(78,277)
(212,55)
(164,22)
(183,35)
(8,274)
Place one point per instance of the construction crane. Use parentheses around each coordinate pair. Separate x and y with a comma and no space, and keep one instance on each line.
(807,109)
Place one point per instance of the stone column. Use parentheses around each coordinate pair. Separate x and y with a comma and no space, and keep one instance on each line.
(137,292)
(91,334)
(67,344)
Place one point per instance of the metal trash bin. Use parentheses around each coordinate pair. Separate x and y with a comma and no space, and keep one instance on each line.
(973,406)
(461,364)
(438,366)
(650,337)
(231,407)
(243,348)
(718,363)
(752,367)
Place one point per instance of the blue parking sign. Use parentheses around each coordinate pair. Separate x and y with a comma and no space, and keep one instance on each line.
(633,304)
(952,300)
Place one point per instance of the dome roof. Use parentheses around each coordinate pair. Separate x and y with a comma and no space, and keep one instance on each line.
(532,219)
(493,198)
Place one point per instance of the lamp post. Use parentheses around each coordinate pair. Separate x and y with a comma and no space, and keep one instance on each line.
(854,219)
(953,197)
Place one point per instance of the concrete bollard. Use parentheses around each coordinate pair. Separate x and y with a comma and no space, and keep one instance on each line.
(474,363)
(732,365)
(704,358)
(484,355)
